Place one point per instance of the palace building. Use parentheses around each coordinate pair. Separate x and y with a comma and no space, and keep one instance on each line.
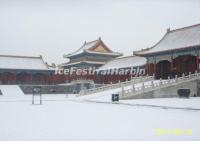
(122,69)
(92,54)
(176,53)
(26,70)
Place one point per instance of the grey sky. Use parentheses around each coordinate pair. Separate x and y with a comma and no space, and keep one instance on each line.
(53,28)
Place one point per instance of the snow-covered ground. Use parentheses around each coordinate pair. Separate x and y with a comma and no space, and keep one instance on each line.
(11,91)
(62,118)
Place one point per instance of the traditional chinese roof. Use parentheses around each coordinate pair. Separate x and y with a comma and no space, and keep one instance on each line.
(22,62)
(124,62)
(81,62)
(181,38)
(94,47)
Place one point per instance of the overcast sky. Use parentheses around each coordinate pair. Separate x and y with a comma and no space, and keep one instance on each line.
(56,27)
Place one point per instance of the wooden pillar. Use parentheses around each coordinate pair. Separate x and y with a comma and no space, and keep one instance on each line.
(161,70)
(0,78)
(147,67)
(155,68)
(172,66)
(197,60)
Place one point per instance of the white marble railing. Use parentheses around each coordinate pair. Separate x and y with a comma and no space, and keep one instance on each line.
(82,81)
(157,84)
(133,81)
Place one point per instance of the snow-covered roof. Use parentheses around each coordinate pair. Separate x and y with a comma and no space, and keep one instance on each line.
(124,62)
(79,62)
(22,62)
(89,46)
(176,39)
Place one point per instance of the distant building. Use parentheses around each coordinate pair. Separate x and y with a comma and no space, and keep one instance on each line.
(176,53)
(91,54)
(26,70)
(128,66)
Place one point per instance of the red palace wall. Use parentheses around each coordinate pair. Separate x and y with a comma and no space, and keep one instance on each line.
(48,79)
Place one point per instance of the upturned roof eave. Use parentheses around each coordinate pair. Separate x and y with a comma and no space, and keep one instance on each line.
(168,51)
(81,62)
(148,52)
(92,52)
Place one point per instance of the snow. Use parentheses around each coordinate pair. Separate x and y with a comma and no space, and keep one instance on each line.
(175,39)
(105,96)
(192,103)
(104,53)
(90,44)
(86,48)
(11,91)
(62,118)
(125,62)
(22,62)
(90,62)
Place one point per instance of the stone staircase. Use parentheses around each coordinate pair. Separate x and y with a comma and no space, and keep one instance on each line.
(161,88)
(111,86)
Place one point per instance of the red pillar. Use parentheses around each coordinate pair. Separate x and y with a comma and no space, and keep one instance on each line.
(155,69)
(161,71)
(171,67)
(172,64)
(147,68)
(0,76)
(197,61)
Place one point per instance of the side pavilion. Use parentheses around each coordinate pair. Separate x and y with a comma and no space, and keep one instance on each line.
(176,53)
